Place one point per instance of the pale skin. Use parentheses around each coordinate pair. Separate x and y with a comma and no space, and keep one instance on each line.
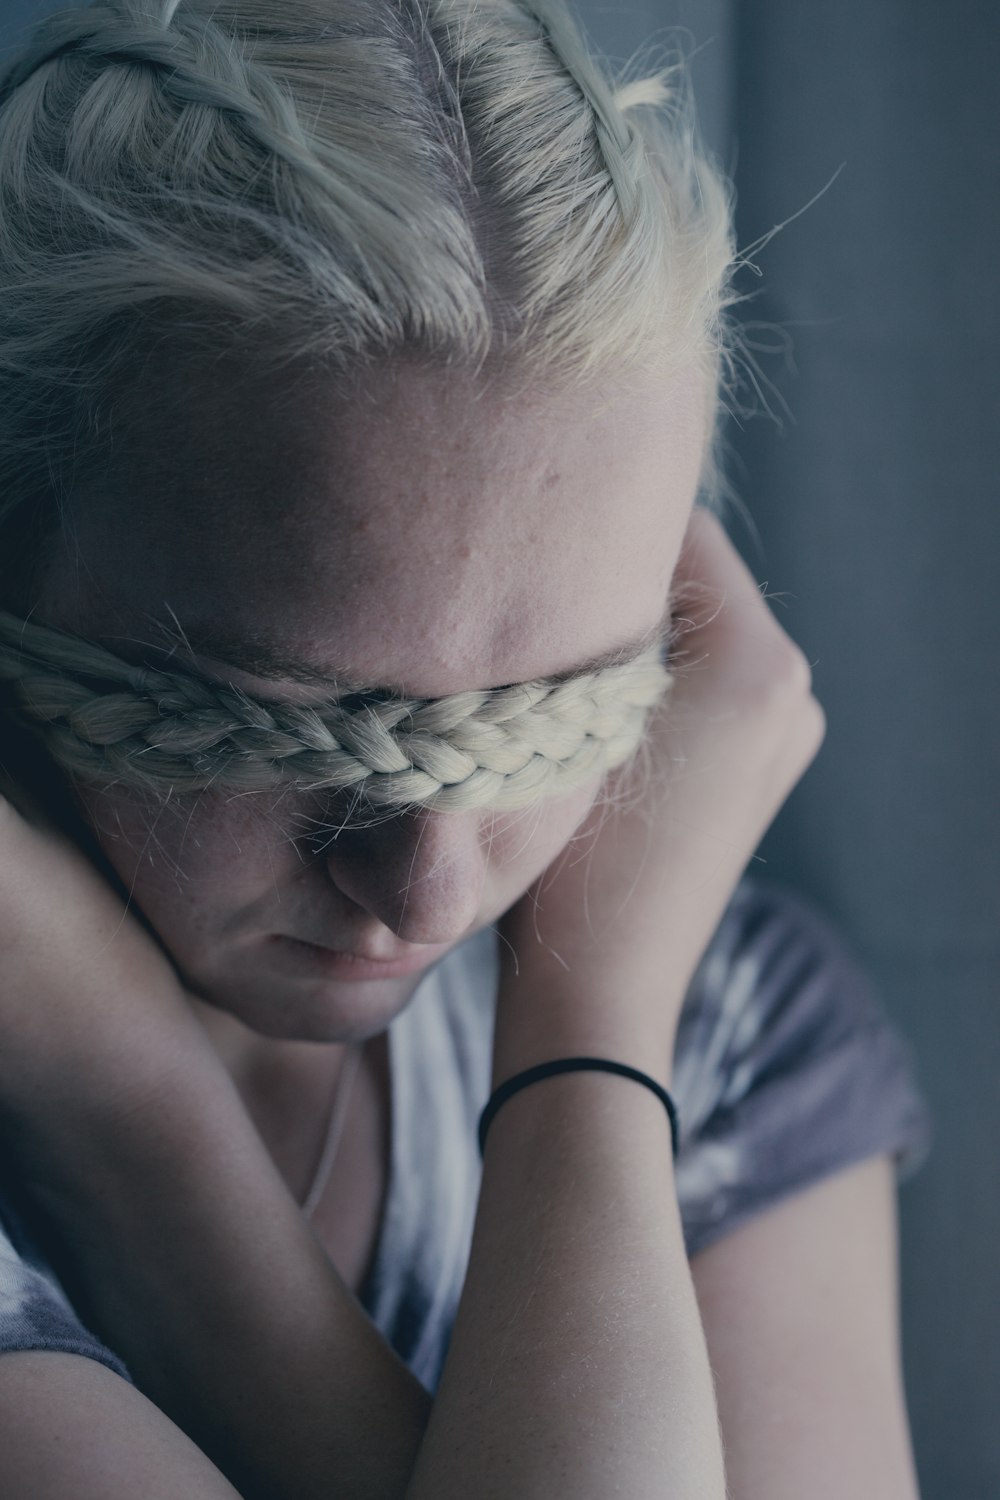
(474,544)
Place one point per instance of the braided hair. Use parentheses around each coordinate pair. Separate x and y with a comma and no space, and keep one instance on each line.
(107,721)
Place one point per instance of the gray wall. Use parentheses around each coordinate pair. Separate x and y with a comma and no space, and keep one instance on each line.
(878,509)
(875,499)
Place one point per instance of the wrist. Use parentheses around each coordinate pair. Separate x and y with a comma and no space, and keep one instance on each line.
(569,1065)
(539,1026)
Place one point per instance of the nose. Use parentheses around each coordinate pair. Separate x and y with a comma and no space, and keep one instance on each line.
(421,874)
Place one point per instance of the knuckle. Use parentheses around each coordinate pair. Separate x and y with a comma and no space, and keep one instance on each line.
(782,681)
(786,704)
(816,720)
(794,674)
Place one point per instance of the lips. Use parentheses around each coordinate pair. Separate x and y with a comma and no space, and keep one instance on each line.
(371,958)
(407,958)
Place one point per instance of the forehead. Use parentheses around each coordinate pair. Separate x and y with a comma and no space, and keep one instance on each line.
(421,531)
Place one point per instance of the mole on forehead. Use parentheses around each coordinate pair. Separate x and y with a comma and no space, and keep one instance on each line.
(258,659)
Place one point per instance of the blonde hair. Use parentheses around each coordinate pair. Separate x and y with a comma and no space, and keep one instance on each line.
(344,182)
(341,181)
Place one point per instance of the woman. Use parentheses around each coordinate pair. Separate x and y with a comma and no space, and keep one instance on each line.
(360,371)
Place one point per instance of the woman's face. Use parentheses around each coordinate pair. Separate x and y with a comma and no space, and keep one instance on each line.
(421,535)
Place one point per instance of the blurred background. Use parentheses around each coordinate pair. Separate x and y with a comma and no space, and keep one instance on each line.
(869,469)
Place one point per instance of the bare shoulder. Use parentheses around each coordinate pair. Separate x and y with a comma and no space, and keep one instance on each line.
(71,1429)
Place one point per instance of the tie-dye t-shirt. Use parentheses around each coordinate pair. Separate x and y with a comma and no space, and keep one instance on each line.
(786,1070)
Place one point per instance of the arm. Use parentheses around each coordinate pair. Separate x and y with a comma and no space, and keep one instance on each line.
(184,1247)
(578,1364)
(199,1269)
(800,1311)
(70,1427)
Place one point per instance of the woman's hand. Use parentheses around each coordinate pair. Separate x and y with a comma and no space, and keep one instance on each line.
(608,939)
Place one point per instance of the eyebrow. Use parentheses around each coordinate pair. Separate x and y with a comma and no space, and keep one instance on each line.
(257,656)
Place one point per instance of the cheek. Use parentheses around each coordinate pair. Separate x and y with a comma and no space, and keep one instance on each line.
(521,845)
(204,849)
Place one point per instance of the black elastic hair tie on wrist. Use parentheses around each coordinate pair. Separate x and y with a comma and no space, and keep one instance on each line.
(570,1065)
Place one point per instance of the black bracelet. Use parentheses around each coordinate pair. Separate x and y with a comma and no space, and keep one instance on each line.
(569,1065)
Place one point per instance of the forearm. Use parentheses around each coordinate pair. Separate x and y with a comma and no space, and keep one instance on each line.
(578,1363)
(198,1266)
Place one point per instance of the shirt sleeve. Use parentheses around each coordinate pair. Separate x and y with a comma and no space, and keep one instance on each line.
(35,1312)
(787,1067)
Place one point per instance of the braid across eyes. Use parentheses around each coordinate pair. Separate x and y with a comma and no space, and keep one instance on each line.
(110,722)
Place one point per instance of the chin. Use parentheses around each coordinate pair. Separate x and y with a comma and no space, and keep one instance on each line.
(321,1011)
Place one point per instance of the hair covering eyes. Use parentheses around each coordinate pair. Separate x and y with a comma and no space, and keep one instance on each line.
(107,721)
